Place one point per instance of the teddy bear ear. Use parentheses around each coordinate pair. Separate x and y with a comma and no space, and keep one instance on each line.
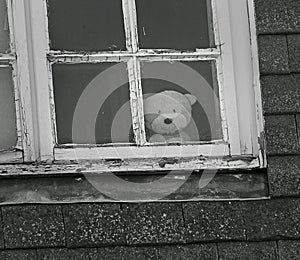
(191,98)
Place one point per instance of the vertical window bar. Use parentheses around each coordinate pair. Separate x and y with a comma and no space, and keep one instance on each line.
(133,25)
(219,70)
(140,103)
(126,16)
(134,73)
(136,101)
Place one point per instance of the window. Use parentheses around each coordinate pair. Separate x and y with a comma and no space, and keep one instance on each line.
(10,134)
(115,80)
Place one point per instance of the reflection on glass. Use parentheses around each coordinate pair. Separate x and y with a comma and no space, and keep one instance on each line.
(8,130)
(181,102)
(173,24)
(102,82)
(91,25)
(4,30)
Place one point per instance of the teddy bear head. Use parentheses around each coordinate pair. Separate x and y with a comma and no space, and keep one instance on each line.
(168,112)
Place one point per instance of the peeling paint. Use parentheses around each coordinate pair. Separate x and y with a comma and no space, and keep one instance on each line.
(128,166)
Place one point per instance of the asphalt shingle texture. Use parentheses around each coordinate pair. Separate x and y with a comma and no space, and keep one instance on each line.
(153,223)
(284,175)
(33,226)
(213,221)
(272,219)
(18,254)
(64,253)
(273,54)
(281,135)
(281,93)
(294,51)
(93,224)
(247,251)
(188,252)
(277,16)
(289,250)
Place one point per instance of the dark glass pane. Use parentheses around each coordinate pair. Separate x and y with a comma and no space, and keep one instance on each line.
(106,95)
(87,25)
(181,101)
(8,129)
(4,29)
(173,24)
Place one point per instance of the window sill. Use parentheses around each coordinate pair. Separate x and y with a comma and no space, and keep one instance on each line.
(146,165)
(70,182)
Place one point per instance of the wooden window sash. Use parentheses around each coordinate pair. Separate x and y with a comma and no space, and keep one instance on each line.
(45,125)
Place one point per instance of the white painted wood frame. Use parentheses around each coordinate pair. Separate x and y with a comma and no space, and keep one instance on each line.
(235,56)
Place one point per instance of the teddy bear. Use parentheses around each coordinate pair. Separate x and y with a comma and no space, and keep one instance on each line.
(167,114)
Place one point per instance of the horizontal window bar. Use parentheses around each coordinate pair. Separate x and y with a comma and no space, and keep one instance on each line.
(155,55)
(141,152)
(7,57)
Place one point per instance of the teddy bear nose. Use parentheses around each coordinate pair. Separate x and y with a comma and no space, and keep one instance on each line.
(168,121)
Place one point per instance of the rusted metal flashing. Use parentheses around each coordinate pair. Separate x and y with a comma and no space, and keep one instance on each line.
(75,189)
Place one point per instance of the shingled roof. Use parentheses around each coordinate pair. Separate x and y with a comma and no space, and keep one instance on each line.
(257,229)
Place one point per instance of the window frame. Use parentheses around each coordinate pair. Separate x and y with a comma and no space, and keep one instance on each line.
(38,108)
(19,74)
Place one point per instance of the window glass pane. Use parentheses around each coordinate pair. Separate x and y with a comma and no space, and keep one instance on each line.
(8,130)
(4,30)
(101,89)
(173,24)
(181,101)
(88,25)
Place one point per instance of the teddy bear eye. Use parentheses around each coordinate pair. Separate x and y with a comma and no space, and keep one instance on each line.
(174,110)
